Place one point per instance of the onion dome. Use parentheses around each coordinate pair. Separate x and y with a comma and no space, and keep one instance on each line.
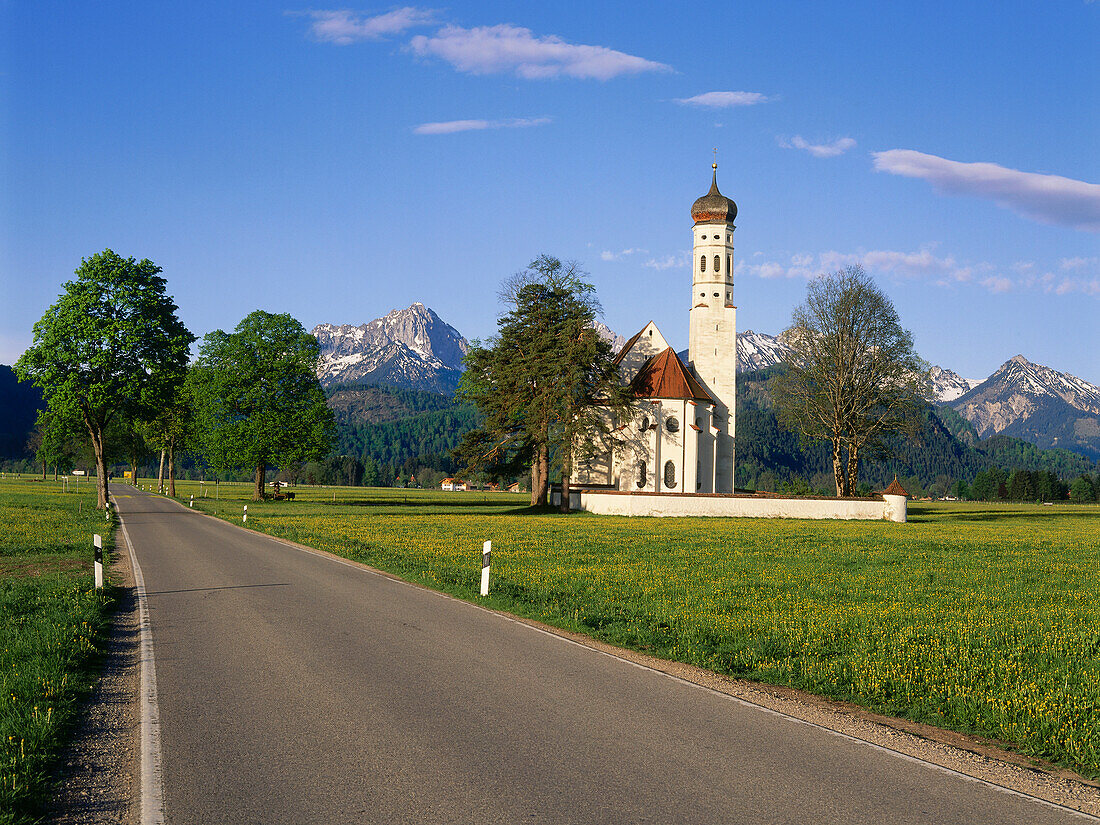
(714,206)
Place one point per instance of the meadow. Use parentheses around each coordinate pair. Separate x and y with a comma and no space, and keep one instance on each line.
(980,618)
(52,630)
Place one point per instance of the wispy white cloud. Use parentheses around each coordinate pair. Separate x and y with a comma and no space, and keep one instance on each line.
(1045,198)
(608,255)
(1079,263)
(724,100)
(449,127)
(506,48)
(818,150)
(1078,275)
(669,262)
(997,283)
(344,27)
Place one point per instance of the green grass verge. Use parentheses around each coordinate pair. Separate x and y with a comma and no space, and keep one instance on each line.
(52,632)
(979,618)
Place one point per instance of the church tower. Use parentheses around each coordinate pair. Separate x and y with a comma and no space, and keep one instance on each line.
(712,336)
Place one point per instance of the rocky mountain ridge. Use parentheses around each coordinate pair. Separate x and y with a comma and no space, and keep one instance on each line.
(1035,403)
(412,348)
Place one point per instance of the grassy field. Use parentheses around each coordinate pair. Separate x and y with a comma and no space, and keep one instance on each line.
(52,630)
(980,618)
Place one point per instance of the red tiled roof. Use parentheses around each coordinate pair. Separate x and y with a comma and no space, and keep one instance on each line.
(665,376)
(895,489)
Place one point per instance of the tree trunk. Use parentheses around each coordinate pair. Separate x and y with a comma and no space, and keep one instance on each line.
(544,474)
(172,468)
(535,485)
(55,472)
(100,468)
(44,470)
(133,470)
(566,471)
(853,467)
(261,472)
(839,476)
(160,472)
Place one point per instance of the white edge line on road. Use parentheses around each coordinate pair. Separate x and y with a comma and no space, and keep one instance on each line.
(737,699)
(152,787)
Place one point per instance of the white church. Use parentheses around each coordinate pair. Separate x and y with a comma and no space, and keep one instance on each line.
(676,456)
(681,440)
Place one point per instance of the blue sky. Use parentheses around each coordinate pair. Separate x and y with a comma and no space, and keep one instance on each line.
(340,162)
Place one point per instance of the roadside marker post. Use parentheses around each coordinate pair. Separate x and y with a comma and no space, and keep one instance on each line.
(97,542)
(486,552)
(191,503)
(245,519)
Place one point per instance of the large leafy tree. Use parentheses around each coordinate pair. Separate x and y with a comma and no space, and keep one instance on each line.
(546,383)
(852,375)
(258,401)
(111,347)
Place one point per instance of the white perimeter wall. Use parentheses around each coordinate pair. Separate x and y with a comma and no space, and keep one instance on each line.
(612,503)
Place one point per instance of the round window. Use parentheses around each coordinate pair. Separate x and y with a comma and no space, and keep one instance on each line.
(672,425)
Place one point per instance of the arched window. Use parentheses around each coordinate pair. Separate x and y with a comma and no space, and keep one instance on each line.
(672,425)
(717,263)
(702,263)
(643,424)
(729,264)
(670,475)
(641,480)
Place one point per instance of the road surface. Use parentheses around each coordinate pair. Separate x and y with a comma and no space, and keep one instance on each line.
(296,689)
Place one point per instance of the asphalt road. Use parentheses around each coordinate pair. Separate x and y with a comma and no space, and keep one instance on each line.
(295,689)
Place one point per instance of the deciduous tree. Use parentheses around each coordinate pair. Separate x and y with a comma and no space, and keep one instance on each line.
(258,399)
(110,347)
(852,375)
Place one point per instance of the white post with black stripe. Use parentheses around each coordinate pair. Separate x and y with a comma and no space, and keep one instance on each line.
(486,552)
(97,542)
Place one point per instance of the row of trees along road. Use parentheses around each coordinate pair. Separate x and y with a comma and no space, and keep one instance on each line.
(111,358)
(852,375)
(546,382)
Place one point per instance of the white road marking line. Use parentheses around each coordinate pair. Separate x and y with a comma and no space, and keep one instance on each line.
(152,786)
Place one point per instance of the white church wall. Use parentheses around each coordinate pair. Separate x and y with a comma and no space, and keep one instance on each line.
(613,503)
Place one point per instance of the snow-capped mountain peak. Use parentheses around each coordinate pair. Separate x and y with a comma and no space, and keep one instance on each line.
(1035,402)
(410,347)
(948,385)
(757,350)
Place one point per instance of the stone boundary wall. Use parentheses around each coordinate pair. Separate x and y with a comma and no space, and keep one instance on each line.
(621,503)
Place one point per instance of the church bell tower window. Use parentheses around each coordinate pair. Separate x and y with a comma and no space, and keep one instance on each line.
(717,263)
(702,263)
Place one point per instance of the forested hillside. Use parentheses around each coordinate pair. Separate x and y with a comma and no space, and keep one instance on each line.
(18,411)
(404,430)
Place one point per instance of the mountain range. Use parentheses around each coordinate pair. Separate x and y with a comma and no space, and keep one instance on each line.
(415,349)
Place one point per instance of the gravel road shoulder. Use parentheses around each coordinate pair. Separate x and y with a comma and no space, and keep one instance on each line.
(98,774)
